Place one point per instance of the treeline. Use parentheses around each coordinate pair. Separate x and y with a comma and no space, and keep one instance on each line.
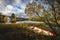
(5,19)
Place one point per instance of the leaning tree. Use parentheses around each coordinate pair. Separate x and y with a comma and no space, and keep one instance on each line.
(33,10)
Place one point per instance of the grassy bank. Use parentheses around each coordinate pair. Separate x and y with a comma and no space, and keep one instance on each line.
(20,32)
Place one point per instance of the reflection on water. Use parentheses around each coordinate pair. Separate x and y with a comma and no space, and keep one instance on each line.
(29,22)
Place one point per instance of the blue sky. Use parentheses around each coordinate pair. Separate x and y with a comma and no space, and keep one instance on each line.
(14,6)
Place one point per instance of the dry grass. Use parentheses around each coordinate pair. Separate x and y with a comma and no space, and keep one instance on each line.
(58,21)
(20,32)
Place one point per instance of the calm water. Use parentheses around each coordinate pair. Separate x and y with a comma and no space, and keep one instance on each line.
(29,22)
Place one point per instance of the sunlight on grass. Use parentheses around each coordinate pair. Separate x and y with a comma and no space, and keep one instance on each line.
(58,21)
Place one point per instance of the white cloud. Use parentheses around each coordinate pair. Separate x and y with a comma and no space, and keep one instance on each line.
(17,2)
(2,5)
(7,9)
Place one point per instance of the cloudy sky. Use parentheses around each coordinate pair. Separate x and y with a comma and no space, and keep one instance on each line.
(14,6)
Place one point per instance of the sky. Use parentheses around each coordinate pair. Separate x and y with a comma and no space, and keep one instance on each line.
(7,7)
